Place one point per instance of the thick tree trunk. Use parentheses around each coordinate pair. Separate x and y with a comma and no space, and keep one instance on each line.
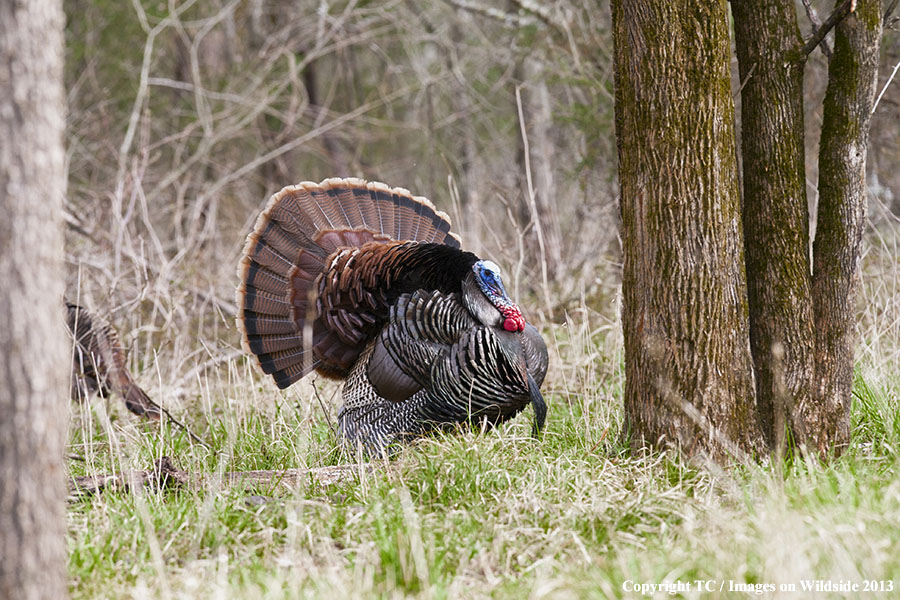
(824,423)
(689,378)
(33,386)
(776,217)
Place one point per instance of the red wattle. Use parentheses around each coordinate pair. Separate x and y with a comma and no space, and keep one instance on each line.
(514,323)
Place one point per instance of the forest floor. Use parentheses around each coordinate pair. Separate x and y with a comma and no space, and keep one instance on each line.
(486,514)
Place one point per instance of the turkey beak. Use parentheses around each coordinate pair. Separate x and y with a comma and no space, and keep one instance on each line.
(540,407)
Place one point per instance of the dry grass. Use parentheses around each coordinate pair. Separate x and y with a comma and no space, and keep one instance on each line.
(478,515)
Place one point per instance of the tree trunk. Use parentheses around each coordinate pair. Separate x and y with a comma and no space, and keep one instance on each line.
(776,217)
(689,377)
(825,422)
(545,237)
(33,387)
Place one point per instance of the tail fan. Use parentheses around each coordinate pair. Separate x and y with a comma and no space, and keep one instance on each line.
(319,265)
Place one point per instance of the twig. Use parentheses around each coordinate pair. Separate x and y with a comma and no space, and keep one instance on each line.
(847,7)
(324,411)
(744,82)
(212,362)
(884,89)
(187,86)
(600,441)
(181,425)
(494,13)
(532,202)
(203,199)
(814,19)
(888,11)
(544,13)
(145,74)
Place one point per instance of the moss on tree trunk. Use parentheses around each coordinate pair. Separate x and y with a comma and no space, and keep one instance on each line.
(824,423)
(776,217)
(689,243)
(689,378)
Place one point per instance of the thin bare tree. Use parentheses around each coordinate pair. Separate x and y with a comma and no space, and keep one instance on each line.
(33,359)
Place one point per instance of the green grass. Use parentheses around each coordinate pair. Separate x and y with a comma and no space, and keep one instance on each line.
(497,514)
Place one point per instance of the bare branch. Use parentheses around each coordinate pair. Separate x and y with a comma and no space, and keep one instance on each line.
(204,198)
(142,86)
(165,474)
(544,13)
(817,24)
(532,203)
(847,7)
(888,11)
(508,18)
(811,13)
(884,89)
(744,82)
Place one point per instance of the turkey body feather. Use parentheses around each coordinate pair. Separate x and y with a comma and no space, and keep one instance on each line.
(366,283)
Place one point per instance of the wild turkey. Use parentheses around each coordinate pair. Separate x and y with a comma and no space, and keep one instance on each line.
(98,363)
(365,283)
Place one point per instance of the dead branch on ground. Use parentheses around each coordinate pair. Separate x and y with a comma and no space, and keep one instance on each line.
(164,474)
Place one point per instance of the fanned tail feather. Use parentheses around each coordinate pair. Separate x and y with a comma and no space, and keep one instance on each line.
(296,238)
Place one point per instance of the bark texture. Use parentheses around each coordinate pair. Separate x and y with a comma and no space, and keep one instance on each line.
(824,423)
(776,217)
(689,378)
(33,357)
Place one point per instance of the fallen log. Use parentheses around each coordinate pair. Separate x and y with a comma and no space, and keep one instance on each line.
(165,474)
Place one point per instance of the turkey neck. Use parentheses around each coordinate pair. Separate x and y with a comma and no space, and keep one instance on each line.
(478,304)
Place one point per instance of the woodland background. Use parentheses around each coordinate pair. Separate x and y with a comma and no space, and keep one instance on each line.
(183,117)
(182,122)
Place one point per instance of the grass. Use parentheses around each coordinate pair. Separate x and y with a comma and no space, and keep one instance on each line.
(495,514)
(154,235)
